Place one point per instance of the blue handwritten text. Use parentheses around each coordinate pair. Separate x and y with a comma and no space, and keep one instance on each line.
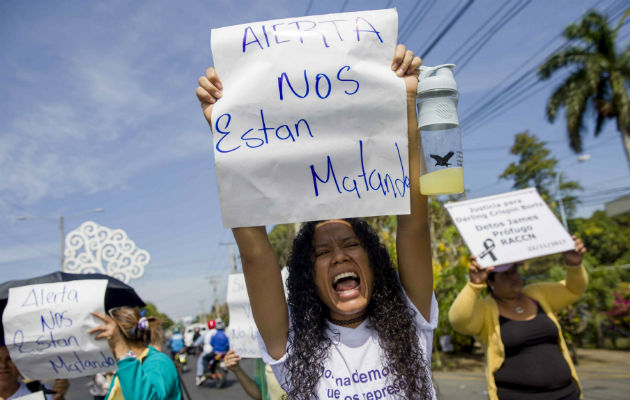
(76,364)
(323,86)
(254,138)
(372,180)
(301,30)
(42,297)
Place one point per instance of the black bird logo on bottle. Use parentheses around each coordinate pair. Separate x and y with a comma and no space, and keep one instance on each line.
(442,161)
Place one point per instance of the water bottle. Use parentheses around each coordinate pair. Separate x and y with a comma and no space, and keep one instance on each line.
(439,131)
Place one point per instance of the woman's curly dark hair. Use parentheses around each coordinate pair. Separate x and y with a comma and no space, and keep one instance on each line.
(388,314)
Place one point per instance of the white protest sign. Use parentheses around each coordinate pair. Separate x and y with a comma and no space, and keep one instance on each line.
(312,122)
(242,330)
(509,227)
(46,329)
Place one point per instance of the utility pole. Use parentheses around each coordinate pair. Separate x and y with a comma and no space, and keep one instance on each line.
(202,316)
(231,244)
(62,233)
(213,282)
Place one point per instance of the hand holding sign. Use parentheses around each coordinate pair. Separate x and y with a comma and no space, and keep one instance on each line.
(405,64)
(208,92)
(574,257)
(476,272)
(109,330)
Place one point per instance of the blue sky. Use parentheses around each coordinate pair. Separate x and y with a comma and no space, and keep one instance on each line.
(98,111)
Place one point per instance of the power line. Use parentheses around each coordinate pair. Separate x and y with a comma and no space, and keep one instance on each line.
(599,193)
(474,50)
(308,8)
(500,104)
(447,28)
(405,23)
(470,37)
(502,99)
(600,183)
(495,105)
(345,4)
(603,199)
(551,142)
(499,107)
(420,15)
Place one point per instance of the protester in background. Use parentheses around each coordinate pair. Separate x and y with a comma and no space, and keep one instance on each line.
(219,341)
(11,387)
(176,343)
(526,354)
(143,372)
(349,310)
(262,386)
(196,334)
(206,351)
(100,385)
(219,345)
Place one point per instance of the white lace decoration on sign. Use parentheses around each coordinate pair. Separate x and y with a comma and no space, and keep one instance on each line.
(92,248)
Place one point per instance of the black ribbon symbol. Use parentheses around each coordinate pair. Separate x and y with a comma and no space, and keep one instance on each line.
(488,245)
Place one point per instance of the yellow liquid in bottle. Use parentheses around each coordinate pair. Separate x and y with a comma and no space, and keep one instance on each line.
(445,181)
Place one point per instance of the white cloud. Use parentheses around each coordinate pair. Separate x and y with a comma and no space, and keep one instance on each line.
(20,253)
(104,118)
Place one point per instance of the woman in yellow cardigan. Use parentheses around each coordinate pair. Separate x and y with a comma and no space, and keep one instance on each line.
(526,355)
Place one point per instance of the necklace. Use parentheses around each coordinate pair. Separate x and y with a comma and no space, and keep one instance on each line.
(347,322)
(519,310)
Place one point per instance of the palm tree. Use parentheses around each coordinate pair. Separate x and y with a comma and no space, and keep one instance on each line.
(598,81)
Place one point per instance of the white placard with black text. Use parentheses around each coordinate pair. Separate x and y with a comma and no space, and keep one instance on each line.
(509,227)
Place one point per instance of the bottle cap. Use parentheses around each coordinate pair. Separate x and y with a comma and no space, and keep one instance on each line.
(436,78)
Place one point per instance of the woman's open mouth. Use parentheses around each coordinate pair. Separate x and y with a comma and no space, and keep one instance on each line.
(346,284)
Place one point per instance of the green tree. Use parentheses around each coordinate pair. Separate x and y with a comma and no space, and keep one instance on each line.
(450,272)
(152,311)
(537,168)
(598,80)
(281,239)
(606,238)
(385,227)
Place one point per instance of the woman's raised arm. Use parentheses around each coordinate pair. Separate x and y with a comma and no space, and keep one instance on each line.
(260,265)
(264,287)
(413,241)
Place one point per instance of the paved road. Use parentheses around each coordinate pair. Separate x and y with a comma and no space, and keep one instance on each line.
(605,375)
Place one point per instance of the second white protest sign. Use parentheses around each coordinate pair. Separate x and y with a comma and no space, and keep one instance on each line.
(46,329)
(312,121)
(509,227)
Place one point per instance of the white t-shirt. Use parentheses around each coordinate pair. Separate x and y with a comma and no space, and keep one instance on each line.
(354,369)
